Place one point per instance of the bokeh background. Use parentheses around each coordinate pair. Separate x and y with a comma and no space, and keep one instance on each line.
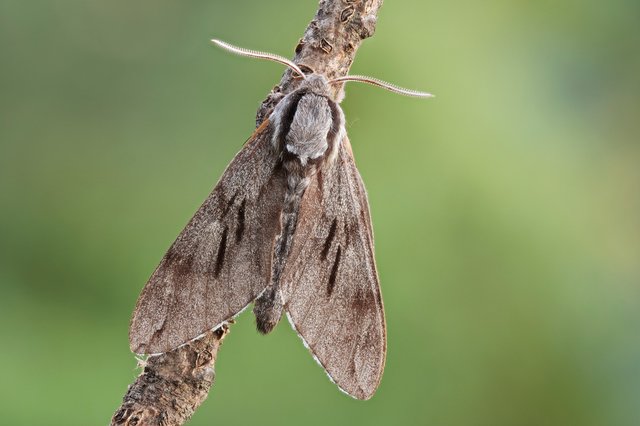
(506,210)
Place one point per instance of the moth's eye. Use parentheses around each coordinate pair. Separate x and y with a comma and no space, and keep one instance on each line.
(305,69)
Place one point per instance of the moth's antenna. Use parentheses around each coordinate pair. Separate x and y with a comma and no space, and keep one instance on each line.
(260,55)
(383,84)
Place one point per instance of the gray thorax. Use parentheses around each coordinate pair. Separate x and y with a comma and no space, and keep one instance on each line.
(307,124)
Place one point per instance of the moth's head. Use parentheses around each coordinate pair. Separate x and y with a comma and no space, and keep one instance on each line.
(317,82)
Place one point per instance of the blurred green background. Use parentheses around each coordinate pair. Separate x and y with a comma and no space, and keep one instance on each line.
(506,210)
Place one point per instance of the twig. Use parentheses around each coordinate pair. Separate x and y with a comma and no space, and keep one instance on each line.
(173,385)
(328,46)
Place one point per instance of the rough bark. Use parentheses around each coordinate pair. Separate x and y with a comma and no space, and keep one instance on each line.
(173,385)
(328,46)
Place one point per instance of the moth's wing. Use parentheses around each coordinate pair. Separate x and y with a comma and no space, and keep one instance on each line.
(330,283)
(221,261)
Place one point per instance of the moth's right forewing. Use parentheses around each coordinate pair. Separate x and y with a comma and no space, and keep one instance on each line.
(221,261)
(331,289)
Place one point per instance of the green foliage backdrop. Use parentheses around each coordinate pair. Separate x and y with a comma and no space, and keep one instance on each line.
(506,210)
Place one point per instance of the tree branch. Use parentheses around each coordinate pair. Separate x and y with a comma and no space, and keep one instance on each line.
(173,385)
(328,46)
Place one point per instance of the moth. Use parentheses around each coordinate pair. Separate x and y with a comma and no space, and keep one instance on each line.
(287,227)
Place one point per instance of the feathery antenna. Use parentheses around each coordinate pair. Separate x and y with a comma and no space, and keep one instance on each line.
(260,55)
(383,84)
(359,78)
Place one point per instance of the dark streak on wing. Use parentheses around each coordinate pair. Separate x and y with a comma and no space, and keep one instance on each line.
(334,272)
(241,219)
(222,248)
(320,177)
(329,240)
(228,206)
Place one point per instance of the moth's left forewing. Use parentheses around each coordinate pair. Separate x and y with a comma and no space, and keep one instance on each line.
(330,283)
(221,260)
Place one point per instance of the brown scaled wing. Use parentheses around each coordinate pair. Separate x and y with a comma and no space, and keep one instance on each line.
(330,284)
(221,261)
